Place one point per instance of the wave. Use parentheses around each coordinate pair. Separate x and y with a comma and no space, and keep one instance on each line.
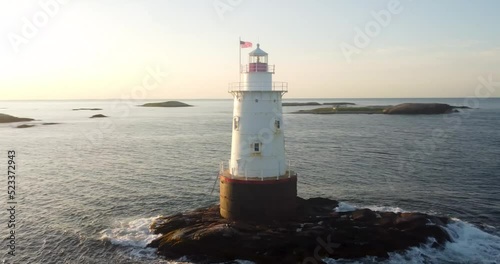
(344,207)
(470,245)
(134,235)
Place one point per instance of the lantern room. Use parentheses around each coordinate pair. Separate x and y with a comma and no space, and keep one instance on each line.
(258,60)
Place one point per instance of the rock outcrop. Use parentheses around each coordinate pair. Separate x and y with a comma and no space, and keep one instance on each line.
(343,110)
(25,126)
(339,104)
(32,125)
(316,103)
(401,109)
(301,104)
(167,104)
(318,232)
(419,109)
(98,116)
(87,109)
(12,119)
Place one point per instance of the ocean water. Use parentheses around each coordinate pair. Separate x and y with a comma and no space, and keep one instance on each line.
(87,189)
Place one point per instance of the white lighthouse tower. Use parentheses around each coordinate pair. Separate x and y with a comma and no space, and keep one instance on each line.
(258,185)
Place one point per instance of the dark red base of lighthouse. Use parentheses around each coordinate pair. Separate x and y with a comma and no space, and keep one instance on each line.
(258,201)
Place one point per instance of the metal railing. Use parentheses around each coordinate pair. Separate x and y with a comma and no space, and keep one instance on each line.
(257,68)
(254,175)
(246,86)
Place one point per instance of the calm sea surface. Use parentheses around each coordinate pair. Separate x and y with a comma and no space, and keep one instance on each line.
(87,189)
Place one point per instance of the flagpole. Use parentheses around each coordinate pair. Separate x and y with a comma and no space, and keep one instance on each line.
(239,66)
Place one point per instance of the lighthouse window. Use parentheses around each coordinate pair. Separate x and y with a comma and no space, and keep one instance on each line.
(277,124)
(256,147)
(236,123)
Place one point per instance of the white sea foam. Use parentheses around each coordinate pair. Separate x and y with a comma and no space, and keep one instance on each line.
(385,209)
(344,207)
(470,245)
(135,235)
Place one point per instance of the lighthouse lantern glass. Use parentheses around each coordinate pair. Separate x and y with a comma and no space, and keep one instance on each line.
(258,59)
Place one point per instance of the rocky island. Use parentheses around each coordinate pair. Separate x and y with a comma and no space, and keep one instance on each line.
(317,232)
(87,109)
(167,104)
(301,104)
(344,110)
(339,103)
(33,125)
(420,109)
(401,109)
(12,119)
(25,126)
(316,103)
(98,116)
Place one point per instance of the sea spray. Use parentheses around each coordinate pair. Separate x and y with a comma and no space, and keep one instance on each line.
(135,235)
(470,244)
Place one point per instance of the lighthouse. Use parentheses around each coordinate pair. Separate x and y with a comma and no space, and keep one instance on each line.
(258,184)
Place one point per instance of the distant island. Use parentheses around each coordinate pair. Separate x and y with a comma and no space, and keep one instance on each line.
(316,103)
(167,104)
(401,109)
(12,119)
(301,104)
(25,126)
(98,116)
(344,110)
(33,125)
(339,103)
(87,109)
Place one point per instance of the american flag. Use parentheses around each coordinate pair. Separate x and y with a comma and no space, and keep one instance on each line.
(245,44)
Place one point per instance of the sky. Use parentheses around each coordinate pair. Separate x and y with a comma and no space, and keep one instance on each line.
(188,49)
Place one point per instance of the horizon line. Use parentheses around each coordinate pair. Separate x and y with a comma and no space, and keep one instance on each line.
(293,98)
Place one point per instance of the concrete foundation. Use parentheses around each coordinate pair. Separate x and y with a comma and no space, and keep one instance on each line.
(258,201)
